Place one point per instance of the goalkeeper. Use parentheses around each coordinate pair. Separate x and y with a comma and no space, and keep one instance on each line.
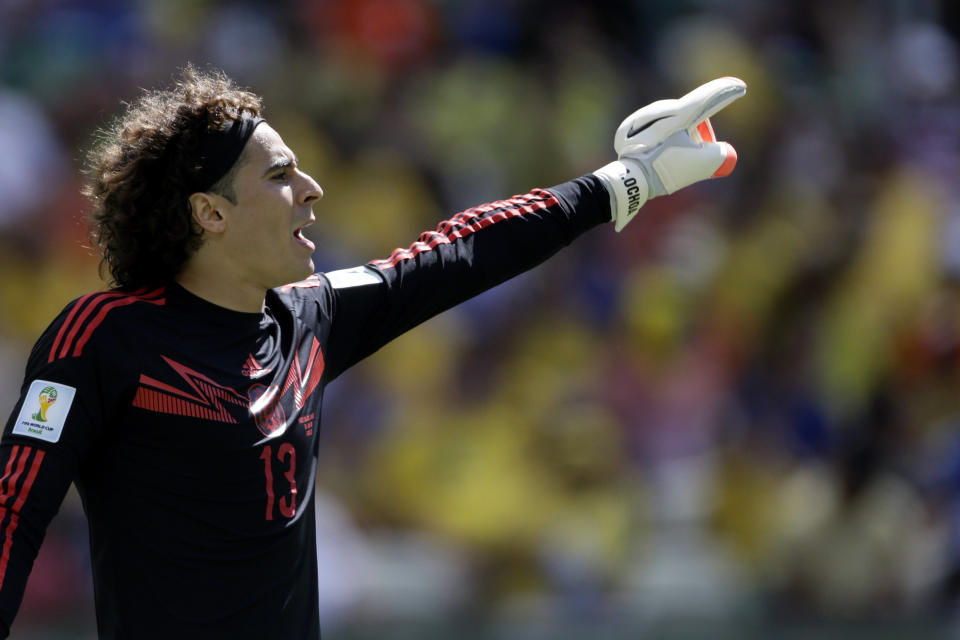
(185,402)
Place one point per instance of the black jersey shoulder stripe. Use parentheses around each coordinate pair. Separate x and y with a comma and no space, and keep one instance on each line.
(80,318)
(469,221)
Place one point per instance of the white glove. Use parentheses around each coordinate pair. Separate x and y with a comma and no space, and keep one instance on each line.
(668,145)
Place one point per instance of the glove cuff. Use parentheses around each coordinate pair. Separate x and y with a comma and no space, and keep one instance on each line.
(627,185)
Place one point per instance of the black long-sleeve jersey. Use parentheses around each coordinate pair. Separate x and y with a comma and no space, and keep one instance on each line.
(190,430)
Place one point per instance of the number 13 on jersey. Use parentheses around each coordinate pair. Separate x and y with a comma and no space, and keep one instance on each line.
(287,464)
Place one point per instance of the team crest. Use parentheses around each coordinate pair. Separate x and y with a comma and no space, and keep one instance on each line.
(267,410)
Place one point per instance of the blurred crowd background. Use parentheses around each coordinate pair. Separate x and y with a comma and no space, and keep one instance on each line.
(738,418)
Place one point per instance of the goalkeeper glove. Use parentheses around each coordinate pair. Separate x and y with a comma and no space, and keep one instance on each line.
(668,145)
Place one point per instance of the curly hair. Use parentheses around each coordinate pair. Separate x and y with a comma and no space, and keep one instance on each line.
(140,173)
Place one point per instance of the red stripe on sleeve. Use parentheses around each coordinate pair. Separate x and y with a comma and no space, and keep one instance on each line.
(456,228)
(474,212)
(8,491)
(6,476)
(17,506)
(11,487)
(63,328)
(91,327)
(31,476)
(75,327)
(78,315)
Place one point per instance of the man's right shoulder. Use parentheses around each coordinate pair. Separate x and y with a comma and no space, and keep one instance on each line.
(75,326)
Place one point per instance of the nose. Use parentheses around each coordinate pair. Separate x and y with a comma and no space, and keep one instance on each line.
(311,190)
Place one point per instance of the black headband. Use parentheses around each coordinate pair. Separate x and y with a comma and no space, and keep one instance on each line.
(219,149)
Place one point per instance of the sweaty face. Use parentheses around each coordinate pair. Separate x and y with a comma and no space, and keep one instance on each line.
(264,228)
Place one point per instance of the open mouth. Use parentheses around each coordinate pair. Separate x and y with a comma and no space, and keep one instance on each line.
(302,239)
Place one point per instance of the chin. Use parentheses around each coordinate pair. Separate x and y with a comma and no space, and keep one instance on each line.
(304,273)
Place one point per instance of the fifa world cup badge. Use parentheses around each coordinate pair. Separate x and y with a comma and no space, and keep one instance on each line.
(44,411)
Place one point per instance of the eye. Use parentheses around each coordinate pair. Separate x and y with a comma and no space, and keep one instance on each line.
(281,176)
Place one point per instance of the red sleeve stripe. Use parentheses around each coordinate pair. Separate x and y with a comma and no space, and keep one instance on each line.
(78,349)
(469,221)
(6,476)
(77,318)
(11,480)
(17,506)
(73,313)
(28,484)
(534,196)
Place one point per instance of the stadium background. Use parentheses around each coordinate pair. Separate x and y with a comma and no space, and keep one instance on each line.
(739,417)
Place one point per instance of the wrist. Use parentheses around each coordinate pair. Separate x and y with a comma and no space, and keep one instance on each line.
(626,183)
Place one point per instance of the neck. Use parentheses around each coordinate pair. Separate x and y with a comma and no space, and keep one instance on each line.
(223,291)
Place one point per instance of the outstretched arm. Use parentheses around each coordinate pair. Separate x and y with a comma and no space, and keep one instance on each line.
(471,252)
(661,148)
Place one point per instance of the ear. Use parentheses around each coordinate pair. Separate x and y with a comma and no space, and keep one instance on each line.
(206,209)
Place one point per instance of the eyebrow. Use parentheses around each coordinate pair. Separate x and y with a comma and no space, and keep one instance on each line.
(281,163)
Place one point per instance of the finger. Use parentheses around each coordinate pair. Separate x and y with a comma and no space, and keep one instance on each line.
(646,128)
(680,165)
(709,98)
(705,129)
(729,160)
